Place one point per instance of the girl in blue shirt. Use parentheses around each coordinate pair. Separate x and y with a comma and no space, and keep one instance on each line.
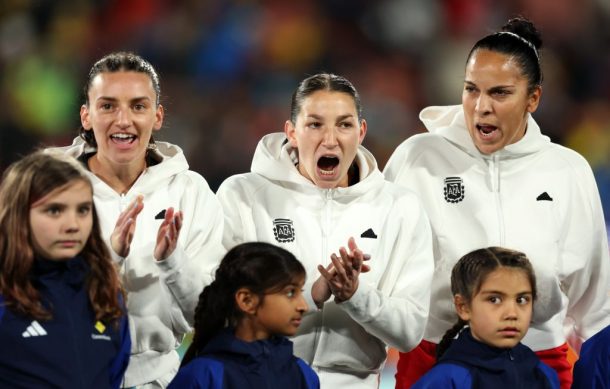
(242,321)
(494,291)
(62,319)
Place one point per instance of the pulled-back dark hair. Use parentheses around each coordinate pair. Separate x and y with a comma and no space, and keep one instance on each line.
(118,62)
(260,267)
(520,39)
(323,81)
(470,272)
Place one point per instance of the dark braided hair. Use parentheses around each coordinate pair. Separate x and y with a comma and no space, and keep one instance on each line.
(261,267)
(470,272)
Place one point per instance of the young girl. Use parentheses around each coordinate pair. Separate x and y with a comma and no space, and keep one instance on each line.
(494,290)
(241,323)
(62,319)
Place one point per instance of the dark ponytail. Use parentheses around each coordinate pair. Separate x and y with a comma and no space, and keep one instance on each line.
(519,39)
(260,267)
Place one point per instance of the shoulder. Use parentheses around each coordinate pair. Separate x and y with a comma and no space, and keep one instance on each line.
(418,144)
(310,376)
(245,182)
(568,157)
(201,372)
(445,375)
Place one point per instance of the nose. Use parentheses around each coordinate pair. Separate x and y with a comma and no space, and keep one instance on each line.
(510,310)
(123,117)
(483,105)
(330,138)
(301,304)
(71,222)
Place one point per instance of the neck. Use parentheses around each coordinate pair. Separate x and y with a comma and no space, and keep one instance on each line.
(119,177)
(248,331)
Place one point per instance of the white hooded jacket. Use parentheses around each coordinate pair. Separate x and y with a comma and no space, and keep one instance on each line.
(276,204)
(161,295)
(533,196)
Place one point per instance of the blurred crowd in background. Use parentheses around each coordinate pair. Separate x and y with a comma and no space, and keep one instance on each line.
(228,67)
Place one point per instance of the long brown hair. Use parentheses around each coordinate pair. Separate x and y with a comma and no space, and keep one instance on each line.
(24,183)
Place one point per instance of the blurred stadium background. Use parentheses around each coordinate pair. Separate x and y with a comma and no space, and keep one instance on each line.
(228,68)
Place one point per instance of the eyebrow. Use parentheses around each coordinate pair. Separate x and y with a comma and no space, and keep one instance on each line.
(107,98)
(504,294)
(493,87)
(340,117)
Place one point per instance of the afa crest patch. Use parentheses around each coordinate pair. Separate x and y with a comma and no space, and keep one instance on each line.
(454,189)
(283,230)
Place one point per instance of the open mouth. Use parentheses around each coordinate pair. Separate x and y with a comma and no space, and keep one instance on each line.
(123,138)
(486,130)
(327,165)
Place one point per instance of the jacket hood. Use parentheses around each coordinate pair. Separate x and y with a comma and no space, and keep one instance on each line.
(169,161)
(449,122)
(276,160)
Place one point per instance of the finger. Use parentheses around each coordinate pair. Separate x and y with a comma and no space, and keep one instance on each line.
(351,243)
(365,268)
(339,268)
(178,220)
(325,273)
(348,261)
(169,215)
(357,259)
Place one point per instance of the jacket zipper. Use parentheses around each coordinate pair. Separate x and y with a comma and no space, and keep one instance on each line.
(494,173)
(326,226)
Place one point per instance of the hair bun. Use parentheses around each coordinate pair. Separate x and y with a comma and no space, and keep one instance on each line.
(525,29)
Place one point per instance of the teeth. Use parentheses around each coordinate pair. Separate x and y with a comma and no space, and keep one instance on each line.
(327,172)
(122,136)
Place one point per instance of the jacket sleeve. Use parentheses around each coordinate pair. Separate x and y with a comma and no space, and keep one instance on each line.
(311,378)
(192,264)
(585,261)
(120,362)
(592,370)
(201,373)
(397,310)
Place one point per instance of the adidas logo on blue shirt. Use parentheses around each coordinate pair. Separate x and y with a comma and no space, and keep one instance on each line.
(34,329)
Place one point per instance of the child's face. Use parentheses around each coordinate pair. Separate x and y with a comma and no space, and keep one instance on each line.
(280,313)
(500,313)
(61,221)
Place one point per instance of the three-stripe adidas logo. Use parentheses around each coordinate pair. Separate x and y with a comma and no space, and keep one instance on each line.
(34,329)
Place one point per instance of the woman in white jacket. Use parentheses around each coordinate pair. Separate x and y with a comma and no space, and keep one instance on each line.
(487,176)
(312,189)
(162,221)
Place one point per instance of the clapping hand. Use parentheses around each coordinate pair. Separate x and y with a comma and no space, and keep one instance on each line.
(167,236)
(341,277)
(122,235)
